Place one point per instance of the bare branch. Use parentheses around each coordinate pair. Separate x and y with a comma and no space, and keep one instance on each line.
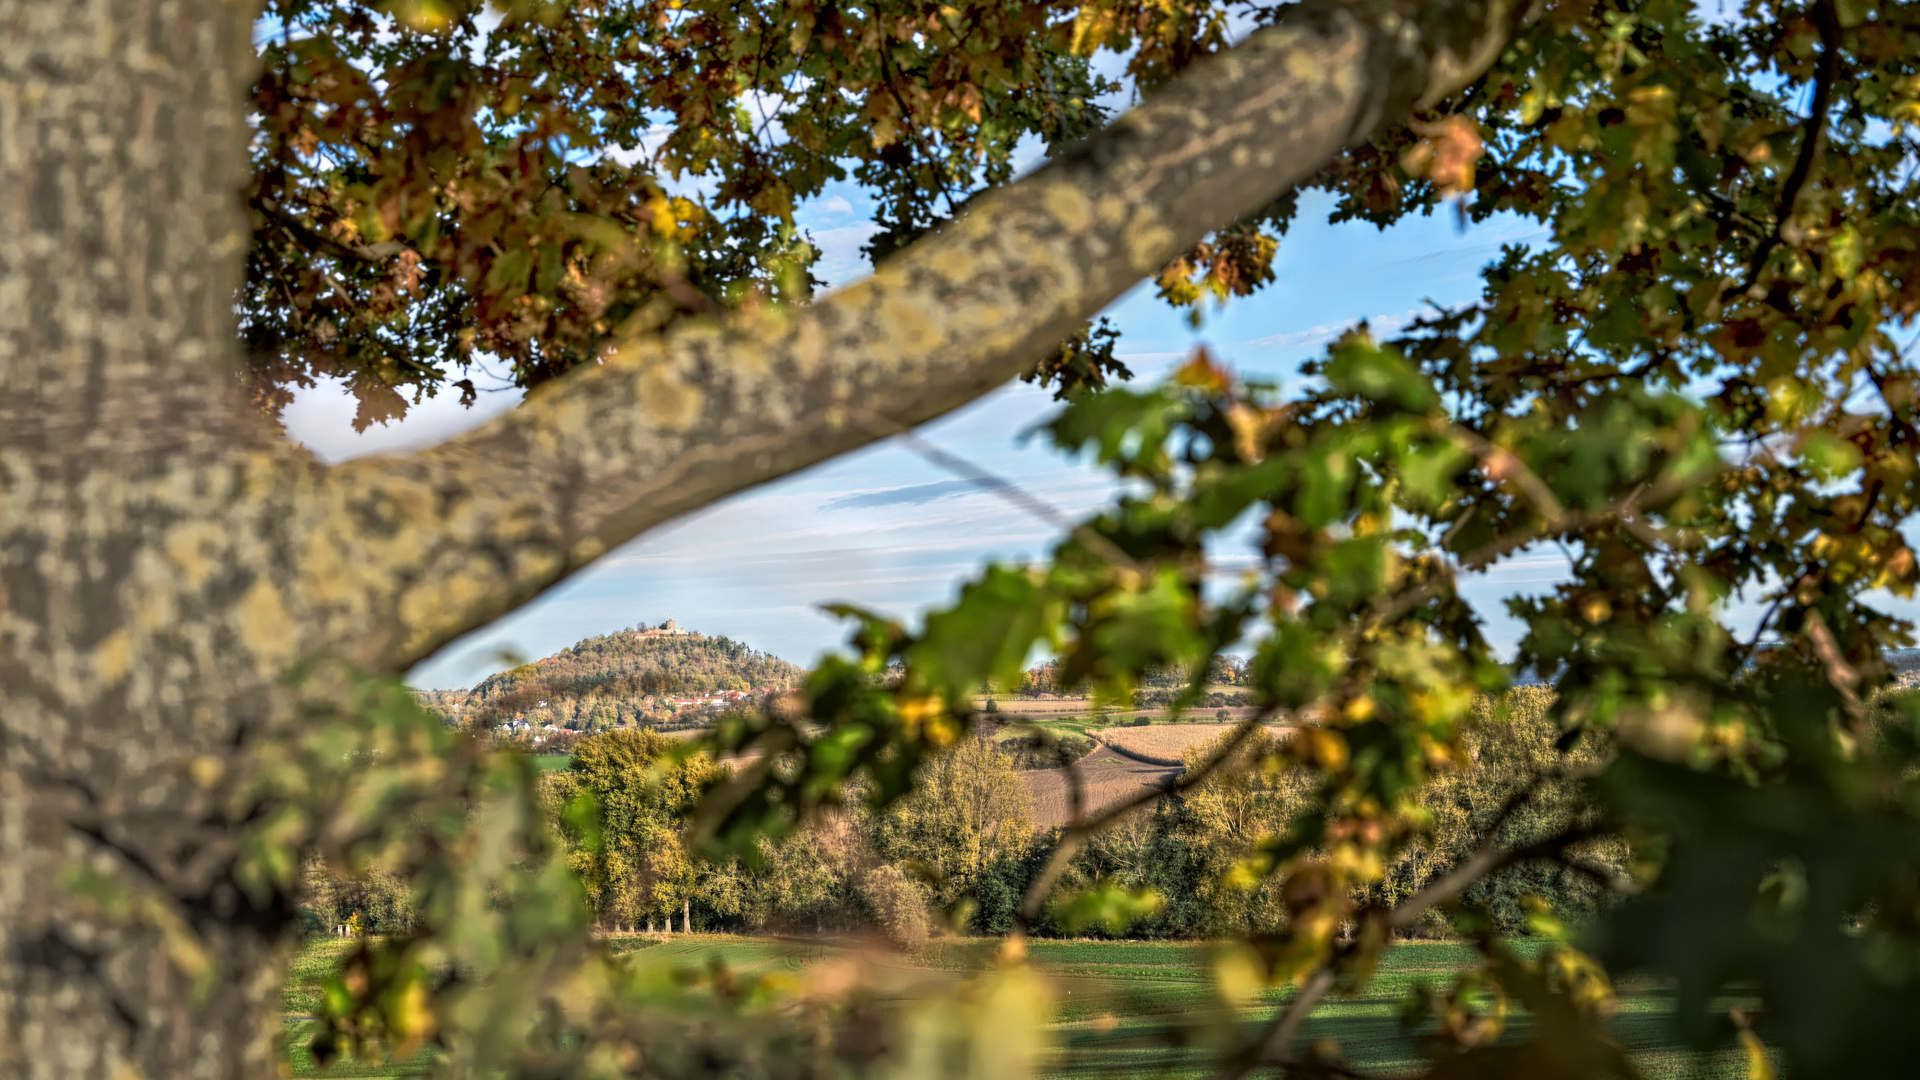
(1275,1045)
(1624,513)
(1016,495)
(319,241)
(1842,676)
(1503,464)
(1827,21)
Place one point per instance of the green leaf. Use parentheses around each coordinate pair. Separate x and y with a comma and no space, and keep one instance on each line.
(1106,906)
(1362,368)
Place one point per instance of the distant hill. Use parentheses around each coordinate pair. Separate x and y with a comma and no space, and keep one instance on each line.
(660,676)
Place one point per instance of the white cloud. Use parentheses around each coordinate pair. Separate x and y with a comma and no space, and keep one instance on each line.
(841,260)
(321,419)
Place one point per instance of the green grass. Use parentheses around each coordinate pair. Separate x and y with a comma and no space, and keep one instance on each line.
(552,762)
(1077,725)
(301,998)
(1133,1009)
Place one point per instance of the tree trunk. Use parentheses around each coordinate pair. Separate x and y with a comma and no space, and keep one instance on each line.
(129,544)
(164,562)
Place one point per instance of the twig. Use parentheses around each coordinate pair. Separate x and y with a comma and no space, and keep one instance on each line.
(1901,429)
(918,136)
(1623,512)
(1606,879)
(1503,464)
(1275,1046)
(1828,23)
(1459,523)
(314,238)
(1106,549)
(1843,677)
(1746,651)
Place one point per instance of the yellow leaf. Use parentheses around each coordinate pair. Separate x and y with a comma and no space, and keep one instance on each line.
(1237,975)
(1758,1067)
(424,16)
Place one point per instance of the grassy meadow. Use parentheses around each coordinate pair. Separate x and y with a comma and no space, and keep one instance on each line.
(1119,1002)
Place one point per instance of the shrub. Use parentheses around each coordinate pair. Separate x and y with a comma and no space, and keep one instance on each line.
(898,904)
(1056,750)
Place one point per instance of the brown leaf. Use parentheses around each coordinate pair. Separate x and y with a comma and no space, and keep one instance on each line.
(1445,154)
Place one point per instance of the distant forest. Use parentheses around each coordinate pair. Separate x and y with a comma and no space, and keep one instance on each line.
(617,680)
(1159,687)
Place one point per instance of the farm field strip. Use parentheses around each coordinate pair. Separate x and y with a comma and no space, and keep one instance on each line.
(1106,776)
(1167,743)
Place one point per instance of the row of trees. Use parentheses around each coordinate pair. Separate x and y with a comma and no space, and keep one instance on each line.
(961,851)
(1158,684)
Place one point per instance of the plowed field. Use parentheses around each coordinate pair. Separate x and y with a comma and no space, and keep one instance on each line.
(1107,777)
(1166,744)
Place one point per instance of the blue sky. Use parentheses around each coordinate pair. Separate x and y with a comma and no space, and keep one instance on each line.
(883,527)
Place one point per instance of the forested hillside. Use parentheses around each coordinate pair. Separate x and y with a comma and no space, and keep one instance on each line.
(636,676)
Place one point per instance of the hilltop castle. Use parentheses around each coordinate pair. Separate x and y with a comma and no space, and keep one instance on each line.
(665,629)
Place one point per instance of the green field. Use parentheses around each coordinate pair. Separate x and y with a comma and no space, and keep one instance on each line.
(1120,1002)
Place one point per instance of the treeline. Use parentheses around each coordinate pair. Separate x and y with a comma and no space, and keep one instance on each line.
(1154,698)
(961,851)
(617,680)
(1157,686)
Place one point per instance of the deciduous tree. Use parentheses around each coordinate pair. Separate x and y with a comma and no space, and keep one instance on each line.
(1692,384)
(168,560)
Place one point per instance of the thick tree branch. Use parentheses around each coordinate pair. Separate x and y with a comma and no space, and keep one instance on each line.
(442,541)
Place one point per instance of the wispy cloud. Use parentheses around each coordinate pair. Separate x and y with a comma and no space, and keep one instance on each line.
(903,496)
(1321,335)
(841,259)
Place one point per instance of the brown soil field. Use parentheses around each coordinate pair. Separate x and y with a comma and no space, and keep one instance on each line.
(1165,744)
(1107,776)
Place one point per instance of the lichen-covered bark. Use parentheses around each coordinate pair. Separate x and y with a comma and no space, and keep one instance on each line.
(163,564)
(126,549)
